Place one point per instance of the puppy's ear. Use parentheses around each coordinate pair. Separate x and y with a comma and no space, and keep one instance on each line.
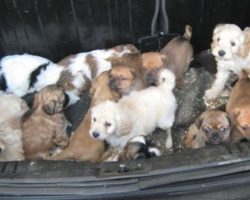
(217,28)
(50,108)
(132,72)
(164,58)
(198,122)
(234,115)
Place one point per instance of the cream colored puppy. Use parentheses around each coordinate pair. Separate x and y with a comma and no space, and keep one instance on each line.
(139,113)
(230,47)
(12,109)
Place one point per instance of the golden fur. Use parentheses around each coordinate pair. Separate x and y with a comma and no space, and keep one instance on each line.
(45,126)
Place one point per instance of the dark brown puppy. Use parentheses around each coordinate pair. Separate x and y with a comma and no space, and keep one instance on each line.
(212,127)
(176,55)
(82,146)
(238,107)
(44,127)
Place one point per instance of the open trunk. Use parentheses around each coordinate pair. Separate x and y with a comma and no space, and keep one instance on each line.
(55,29)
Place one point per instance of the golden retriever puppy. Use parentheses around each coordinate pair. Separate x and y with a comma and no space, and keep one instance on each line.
(81,146)
(44,127)
(212,127)
(11,108)
(176,56)
(238,107)
(230,47)
(138,113)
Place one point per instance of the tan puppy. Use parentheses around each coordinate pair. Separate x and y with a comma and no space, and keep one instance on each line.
(124,79)
(82,146)
(176,56)
(238,106)
(45,126)
(11,108)
(212,127)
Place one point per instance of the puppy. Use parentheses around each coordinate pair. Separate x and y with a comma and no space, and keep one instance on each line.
(124,79)
(84,67)
(238,106)
(45,125)
(18,71)
(230,47)
(176,56)
(212,127)
(136,114)
(81,146)
(12,108)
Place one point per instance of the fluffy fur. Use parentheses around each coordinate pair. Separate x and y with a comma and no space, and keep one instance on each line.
(238,107)
(136,114)
(84,67)
(212,127)
(176,56)
(45,125)
(230,47)
(82,146)
(11,108)
(16,70)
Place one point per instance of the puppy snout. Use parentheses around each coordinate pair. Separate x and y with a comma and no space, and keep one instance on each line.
(150,79)
(112,84)
(95,134)
(221,53)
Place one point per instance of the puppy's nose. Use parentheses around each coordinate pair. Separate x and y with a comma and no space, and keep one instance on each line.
(215,136)
(221,53)
(95,134)
(112,84)
(150,79)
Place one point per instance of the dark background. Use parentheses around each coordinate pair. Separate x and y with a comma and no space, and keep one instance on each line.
(56,28)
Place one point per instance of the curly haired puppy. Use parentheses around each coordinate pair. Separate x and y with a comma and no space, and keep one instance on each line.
(230,47)
(11,108)
(212,127)
(45,125)
(136,114)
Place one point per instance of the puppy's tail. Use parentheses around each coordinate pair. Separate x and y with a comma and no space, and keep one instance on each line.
(188,32)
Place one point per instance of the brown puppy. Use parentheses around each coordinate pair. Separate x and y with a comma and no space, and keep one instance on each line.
(176,55)
(45,125)
(238,106)
(82,146)
(212,127)
(124,79)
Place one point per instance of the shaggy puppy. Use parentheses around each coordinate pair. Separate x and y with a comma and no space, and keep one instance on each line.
(212,127)
(176,56)
(238,107)
(45,125)
(124,79)
(230,47)
(136,114)
(82,146)
(12,108)
(83,67)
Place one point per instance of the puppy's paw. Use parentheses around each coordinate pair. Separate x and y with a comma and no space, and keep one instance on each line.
(210,94)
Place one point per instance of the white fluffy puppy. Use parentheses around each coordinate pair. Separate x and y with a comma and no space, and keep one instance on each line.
(12,109)
(139,113)
(231,48)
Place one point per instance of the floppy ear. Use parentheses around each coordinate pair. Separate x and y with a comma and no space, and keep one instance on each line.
(50,108)
(217,28)
(198,122)
(230,119)
(125,128)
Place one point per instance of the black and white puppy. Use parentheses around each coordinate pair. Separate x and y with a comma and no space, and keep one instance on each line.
(23,74)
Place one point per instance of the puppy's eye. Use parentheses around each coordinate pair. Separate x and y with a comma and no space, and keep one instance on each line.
(107,124)
(222,129)
(123,78)
(163,80)
(206,129)
(94,119)
(232,43)
(218,39)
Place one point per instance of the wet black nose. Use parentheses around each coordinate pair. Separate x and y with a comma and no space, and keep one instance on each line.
(112,84)
(221,53)
(95,134)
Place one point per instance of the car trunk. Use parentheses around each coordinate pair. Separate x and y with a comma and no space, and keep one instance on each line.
(56,28)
